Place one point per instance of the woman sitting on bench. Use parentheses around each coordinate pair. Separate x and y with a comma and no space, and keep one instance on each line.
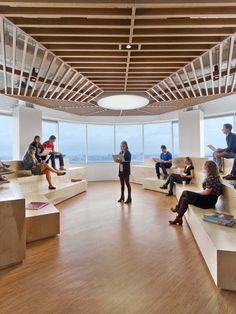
(31,163)
(207,198)
(186,176)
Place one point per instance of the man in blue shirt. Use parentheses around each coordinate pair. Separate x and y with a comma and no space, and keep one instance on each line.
(166,162)
(230,150)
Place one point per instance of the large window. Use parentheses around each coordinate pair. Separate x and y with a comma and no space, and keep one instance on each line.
(6,137)
(213,132)
(133,134)
(72,140)
(50,128)
(156,135)
(100,142)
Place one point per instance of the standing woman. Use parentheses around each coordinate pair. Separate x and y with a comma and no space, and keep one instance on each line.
(124,172)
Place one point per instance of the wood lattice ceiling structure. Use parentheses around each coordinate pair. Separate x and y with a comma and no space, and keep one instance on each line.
(90,39)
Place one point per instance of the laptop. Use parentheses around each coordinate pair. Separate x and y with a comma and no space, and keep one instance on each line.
(212,148)
(157,159)
(45,152)
(118,158)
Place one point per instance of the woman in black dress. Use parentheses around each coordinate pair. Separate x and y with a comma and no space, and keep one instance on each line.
(186,176)
(124,172)
(207,198)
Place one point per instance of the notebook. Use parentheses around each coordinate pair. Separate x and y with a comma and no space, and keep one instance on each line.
(36,205)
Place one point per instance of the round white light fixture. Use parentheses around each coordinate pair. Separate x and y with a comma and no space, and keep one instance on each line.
(122,101)
(128,46)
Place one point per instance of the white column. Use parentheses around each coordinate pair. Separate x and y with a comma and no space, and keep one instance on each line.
(191,133)
(27,122)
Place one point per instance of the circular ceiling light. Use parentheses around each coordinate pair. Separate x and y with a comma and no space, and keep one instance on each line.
(128,46)
(123,101)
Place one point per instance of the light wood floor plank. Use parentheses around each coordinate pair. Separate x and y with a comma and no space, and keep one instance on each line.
(112,259)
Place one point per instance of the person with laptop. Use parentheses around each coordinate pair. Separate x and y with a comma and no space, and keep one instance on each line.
(124,172)
(229,151)
(30,162)
(50,145)
(164,163)
(186,176)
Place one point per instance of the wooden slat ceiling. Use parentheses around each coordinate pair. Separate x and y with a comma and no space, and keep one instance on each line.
(91,37)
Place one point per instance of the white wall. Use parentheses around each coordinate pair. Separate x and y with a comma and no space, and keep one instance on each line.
(101,171)
(191,130)
(27,124)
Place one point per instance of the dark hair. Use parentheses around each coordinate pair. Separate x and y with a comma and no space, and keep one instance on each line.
(189,160)
(125,143)
(52,137)
(35,138)
(228,126)
(163,146)
(211,168)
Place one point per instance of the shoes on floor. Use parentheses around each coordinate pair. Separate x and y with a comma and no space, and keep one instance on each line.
(128,201)
(163,187)
(121,200)
(229,177)
(62,169)
(178,221)
(165,177)
(52,187)
(170,194)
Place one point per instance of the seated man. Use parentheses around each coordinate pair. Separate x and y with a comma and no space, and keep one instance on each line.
(229,151)
(50,145)
(166,162)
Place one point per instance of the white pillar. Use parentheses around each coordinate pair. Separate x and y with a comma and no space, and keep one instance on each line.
(27,122)
(191,133)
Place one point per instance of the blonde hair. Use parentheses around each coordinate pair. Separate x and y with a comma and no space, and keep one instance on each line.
(31,152)
(211,168)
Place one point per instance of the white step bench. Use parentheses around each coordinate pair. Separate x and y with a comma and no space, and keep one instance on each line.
(216,243)
(42,223)
(12,225)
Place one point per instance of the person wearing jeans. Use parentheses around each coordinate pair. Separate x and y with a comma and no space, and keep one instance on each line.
(165,163)
(229,151)
(50,145)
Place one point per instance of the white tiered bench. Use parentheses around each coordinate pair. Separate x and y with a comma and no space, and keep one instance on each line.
(217,243)
(45,222)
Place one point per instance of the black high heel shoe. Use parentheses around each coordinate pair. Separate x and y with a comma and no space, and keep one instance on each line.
(128,201)
(178,220)
(121,200)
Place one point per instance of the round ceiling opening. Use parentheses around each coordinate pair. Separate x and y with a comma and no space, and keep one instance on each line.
(122,101)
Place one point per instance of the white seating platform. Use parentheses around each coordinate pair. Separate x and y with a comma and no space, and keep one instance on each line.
(45,222)
(216,243)
(12,225)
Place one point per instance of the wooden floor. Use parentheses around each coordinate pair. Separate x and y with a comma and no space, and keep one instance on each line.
(114,259)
